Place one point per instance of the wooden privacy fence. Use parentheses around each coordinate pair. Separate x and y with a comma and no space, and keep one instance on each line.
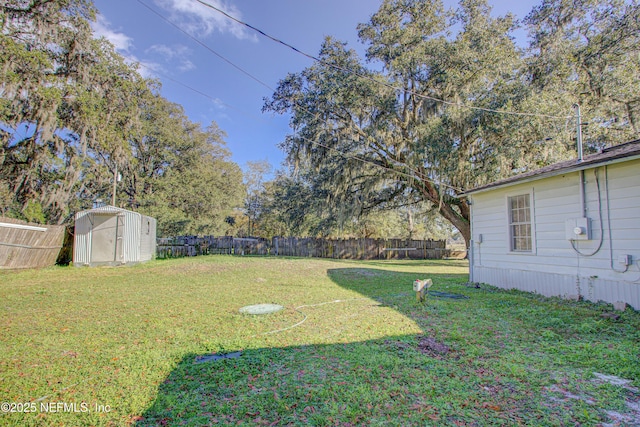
(26,245)
(364,249)
(183,246)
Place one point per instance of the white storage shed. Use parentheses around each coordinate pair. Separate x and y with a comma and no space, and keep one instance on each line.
(113,236)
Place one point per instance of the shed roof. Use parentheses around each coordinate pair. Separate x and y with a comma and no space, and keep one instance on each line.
(108,210)
(617,153)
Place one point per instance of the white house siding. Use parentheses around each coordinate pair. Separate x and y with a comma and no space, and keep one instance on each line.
(553,267)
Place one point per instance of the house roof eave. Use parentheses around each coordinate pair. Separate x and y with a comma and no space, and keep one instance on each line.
(561,168)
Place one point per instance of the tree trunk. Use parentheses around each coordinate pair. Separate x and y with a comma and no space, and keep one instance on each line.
(461,223)
(460,220)
(410,221)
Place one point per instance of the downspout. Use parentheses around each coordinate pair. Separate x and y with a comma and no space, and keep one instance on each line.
(582,190)
(583,204)
(579,132)
(471,242)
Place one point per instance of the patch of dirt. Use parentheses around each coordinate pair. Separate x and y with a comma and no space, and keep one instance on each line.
(566,394)
(613,380)
(630,418)
(430,346)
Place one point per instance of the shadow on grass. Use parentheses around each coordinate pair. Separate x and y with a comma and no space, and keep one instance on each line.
(460,370)
(371,382)
(365,382)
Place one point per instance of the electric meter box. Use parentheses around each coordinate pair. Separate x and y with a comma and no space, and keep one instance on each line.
(578,229)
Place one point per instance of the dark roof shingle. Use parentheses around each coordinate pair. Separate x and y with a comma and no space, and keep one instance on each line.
(628,149)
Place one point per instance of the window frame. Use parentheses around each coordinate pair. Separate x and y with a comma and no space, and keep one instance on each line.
(531,223)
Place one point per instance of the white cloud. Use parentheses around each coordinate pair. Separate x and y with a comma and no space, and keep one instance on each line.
(170,52)
(147,69)
(124,44)
(176,54)
(186,65)
(163,50)
(198,19)
(219,104)
(102,28)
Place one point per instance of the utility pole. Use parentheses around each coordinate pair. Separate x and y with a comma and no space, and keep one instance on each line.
(115,182)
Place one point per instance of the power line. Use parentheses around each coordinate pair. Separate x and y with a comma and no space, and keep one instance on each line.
(341,153)
(243,71)
(251,27)
(388,85)
(417,174)
(199,92)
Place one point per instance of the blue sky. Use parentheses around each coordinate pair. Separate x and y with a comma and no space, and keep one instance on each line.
(234,100)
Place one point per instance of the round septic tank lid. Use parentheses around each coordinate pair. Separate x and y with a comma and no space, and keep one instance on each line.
(261,309)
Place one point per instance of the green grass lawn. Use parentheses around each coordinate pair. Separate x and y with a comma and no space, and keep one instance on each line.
(117,346)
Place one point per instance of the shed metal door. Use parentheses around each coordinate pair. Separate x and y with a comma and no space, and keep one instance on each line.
(106,238)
